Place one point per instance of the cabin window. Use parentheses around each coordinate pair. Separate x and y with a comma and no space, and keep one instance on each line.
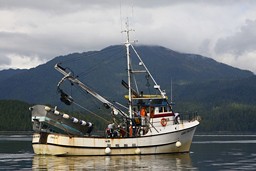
(168,108)
(156,109)
(160,110)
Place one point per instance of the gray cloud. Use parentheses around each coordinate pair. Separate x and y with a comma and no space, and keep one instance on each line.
(240,42)
(239,49)
(13,41)
(4,60)
(57,6)
(41,30)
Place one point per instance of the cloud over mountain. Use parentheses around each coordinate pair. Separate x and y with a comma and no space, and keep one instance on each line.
(40,30)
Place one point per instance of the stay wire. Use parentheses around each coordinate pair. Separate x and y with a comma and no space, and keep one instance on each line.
(108,59)
(91,112)
(85,55)
(84,93)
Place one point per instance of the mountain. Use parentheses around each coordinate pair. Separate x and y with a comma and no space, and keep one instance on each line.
(189,67)
(5,74)
(103,70)
(222,95)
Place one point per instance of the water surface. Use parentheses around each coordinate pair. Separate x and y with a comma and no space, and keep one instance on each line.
(208,152)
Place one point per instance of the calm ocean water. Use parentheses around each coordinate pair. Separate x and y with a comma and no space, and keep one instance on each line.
(208,152)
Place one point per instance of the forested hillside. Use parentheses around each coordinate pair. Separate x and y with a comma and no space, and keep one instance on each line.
(226,117)
(14,116)
(222,95)
(229,117)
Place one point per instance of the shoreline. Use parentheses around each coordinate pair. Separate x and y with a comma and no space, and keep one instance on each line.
(16,132)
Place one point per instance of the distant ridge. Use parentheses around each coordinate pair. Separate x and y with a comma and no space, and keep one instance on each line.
(224,96)
(38,85)
(7,73)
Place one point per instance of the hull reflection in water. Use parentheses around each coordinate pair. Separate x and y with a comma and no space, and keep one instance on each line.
(147,162)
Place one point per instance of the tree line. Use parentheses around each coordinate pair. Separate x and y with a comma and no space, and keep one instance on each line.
(227,117)
(15,116)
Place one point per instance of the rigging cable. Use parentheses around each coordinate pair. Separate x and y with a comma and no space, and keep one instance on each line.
(81,56)
(83,92)
(108,59)
(91,112)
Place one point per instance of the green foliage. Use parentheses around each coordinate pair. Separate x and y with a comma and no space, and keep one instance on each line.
(227,117)
(15,116)
(231,117)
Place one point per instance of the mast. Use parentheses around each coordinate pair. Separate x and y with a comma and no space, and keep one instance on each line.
(127,45)
(130,71)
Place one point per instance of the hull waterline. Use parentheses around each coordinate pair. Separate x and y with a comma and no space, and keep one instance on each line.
(57,144)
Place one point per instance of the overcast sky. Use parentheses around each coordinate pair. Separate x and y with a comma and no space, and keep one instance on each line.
(34,31)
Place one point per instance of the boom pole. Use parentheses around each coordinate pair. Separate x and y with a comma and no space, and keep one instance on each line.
(87,89)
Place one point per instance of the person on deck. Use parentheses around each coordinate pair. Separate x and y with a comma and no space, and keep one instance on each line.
(110,129)
(143,114)
(176,118)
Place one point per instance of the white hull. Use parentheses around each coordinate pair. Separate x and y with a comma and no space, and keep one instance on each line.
(162,140)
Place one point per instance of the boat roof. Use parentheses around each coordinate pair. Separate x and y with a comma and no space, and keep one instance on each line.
(145,97)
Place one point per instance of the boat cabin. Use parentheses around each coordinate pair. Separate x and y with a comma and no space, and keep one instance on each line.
(154,106)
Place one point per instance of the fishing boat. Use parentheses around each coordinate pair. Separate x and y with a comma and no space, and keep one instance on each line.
(148,123)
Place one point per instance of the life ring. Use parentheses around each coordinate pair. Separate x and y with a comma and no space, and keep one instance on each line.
(163,122)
